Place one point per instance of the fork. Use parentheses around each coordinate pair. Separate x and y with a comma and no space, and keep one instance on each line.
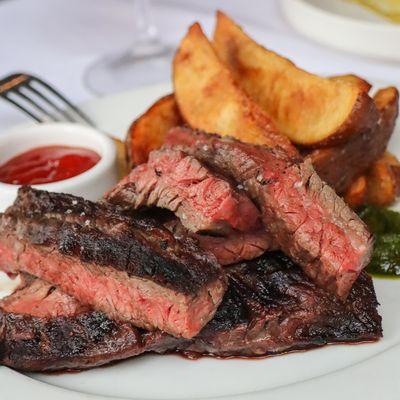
(39,100)
(42,102)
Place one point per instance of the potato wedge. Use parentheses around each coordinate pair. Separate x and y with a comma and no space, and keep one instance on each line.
(379,186)
(355,195)
(351,79)
(308,109)
(339,166)
(147,132)
(209,99)
(383,181)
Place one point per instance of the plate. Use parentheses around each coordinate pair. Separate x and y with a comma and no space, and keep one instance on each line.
(346,26)
(173,377)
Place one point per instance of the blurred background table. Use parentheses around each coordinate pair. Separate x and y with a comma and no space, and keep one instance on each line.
(58,39)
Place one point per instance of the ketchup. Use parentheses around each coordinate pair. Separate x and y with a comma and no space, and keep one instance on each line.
(47,164)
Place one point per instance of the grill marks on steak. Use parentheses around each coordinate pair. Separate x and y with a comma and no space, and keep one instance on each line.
(131,269)
(44,329)
(270,307)
(304,216)
(203,201)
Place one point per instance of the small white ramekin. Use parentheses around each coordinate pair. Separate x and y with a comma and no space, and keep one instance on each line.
(91,184)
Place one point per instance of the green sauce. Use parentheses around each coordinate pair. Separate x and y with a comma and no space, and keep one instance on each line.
(385,225)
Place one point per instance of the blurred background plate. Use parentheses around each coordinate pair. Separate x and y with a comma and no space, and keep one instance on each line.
(345,25)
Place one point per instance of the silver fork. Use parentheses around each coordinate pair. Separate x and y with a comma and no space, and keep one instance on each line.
(39,100)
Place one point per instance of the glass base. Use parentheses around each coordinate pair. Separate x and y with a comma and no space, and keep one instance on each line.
(142,65)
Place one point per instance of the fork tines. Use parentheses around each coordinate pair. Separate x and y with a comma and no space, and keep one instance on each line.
(39,100)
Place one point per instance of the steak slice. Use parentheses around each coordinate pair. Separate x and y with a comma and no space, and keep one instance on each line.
(304,216)
(202,200)
(132,270)
(230,249)
(38,298)
(44,329)
(270,307)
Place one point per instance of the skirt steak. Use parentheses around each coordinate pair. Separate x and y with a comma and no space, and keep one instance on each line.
(270,307)
(304,216)
(132,270)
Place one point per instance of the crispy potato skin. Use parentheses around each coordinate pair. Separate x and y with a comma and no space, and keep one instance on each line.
(339,166)
(308,109)
(148,131)
(209,99)
(356,194)
(351,79)
(383,181)
(379,186)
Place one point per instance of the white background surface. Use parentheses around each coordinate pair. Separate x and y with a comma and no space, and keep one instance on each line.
(57,39)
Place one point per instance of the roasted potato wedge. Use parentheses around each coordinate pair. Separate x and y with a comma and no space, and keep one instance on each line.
(383,181)
(339,166)
(351,79)
(209,99)
(308,109)
(379,186)
(355,195)
(147,132)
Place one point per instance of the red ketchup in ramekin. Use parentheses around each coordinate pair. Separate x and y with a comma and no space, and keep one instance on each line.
(47,164)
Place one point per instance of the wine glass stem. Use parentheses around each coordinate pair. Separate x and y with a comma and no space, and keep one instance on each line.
(145,29)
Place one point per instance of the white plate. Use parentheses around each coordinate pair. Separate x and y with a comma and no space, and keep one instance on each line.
(346,26)
(172,377)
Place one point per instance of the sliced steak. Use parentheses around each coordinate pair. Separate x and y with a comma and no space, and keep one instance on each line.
(230,249)
(304,216)
(44,329)
(270,307)
(38,298)
(130,269)
(202,200)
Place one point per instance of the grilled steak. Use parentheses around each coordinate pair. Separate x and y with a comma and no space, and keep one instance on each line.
(132,270)
(304,216)
(230,249)
(270,307)
(41,299)
(44,329)
(202,200)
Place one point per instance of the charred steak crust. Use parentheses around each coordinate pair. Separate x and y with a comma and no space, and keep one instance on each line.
(105,235)
(270,307)
(44,329)
(304,216)
(82,341)
(133,269)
